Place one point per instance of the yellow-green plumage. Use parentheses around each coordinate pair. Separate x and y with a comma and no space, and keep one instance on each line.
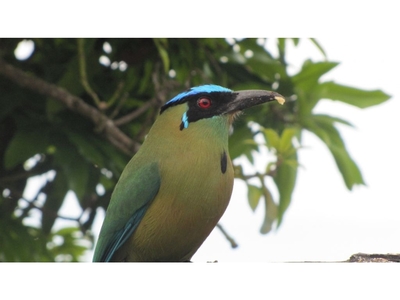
(193,195)
(175,189)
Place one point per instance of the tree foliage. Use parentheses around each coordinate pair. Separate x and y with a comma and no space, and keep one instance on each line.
(76,110)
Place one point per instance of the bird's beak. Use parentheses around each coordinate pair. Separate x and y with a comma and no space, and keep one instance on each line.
(250,98)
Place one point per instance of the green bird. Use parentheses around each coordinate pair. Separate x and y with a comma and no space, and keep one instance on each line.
(175,189)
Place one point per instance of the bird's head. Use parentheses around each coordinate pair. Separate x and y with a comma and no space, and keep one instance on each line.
(211,101)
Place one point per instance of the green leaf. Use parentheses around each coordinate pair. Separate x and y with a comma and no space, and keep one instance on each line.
(238,144)
(70,79)
(53,107)
(349,95)
(292,163)
(10,99)
(56,191)
(261,62)
(74,166)
(78,175)
(330,119)
(282,48)
(20,243)
(146,77)
(271,137)
(86,147)
(271,211)
(326,131)
(295,41)
(93,179)
(71,247)
(161,45)
(311,72)
(306,83)
(251,44)
(318,45)
(26,143)
(115,159)
(285,180)
(271,165)
(254,194)
(285,143)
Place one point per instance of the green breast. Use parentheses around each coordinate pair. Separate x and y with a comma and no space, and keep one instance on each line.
(196,185)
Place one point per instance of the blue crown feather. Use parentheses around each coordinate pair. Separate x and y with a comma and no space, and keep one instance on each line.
(209,88)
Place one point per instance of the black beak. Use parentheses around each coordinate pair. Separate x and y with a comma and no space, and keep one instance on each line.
(249,98)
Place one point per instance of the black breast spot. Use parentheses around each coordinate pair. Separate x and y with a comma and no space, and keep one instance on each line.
(224,162)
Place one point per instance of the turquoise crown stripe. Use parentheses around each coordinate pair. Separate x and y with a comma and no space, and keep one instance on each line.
(209,88)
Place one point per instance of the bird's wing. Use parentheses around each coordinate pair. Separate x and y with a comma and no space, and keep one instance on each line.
(133,194)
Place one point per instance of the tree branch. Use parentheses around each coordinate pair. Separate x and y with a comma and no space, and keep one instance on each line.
(227,236)
(117,95)
(83,74)
(103,124)
(136,113)
(32,205)
(11,176)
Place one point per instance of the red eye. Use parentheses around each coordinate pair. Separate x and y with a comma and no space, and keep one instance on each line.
(204,103)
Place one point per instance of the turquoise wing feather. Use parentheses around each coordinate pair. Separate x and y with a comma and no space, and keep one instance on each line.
(132,195)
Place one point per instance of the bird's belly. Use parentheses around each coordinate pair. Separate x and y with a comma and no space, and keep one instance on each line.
(180,219)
